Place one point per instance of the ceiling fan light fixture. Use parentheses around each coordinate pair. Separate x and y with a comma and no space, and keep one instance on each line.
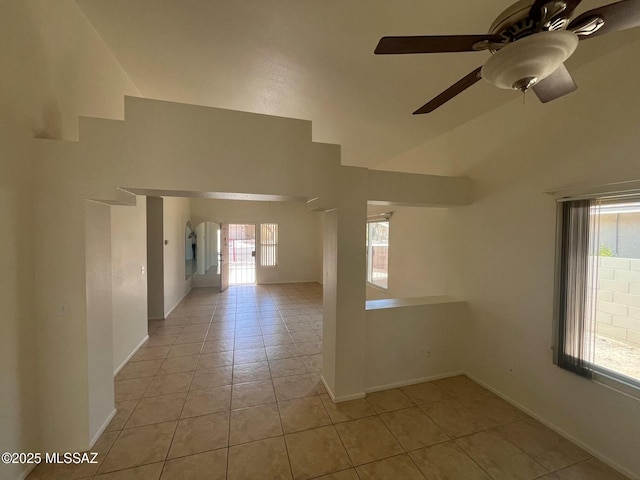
(525,62)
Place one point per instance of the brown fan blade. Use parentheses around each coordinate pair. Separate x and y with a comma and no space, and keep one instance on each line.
(616,16)
(451,92)
(433,44)
(538,8)
(556,85)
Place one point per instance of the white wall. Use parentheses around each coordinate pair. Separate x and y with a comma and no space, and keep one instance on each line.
(416,343)
(129,290)
(299,259)
(176,214)
(98,353)
(506,242)
(42,92)
(344,263)
(18,367)
(329,296)
(419,252)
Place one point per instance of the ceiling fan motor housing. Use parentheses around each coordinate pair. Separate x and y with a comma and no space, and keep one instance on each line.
(521,64)
(514,23)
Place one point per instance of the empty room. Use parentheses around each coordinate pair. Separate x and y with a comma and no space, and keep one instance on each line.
(320,240)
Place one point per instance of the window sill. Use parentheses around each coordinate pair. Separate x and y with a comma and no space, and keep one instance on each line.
(408,302)
(377,287)
(616,382)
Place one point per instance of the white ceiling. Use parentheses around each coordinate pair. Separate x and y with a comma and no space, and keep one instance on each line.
(313,59)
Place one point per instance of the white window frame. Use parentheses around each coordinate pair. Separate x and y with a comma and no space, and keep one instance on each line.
(382,218)
(271,258)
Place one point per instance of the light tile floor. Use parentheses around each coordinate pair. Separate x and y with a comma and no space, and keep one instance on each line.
(228,387)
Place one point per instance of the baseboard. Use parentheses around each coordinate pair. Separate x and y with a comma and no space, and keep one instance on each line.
(206,285)
(93,441)
(326,386)
(413,381)
(135,350)
(178,303)
(378,388)
(102,429)
(346,398)
(343,398)
(559,431)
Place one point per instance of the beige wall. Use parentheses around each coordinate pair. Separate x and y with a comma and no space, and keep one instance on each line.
(506,242)
(129,278)
(299,258)
(176,214)
(42,93)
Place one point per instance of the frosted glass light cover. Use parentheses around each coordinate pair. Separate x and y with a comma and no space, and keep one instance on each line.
(536,56)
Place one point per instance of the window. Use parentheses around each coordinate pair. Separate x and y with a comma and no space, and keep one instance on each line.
(598,289)
(378,252)
(268,244)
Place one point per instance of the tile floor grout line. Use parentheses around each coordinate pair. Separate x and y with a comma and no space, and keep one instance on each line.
(284,438)
(173,436)
(344,447)
(233,368)
(516,446)
(470,457)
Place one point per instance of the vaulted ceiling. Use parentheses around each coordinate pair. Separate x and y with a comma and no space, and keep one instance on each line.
(314,60)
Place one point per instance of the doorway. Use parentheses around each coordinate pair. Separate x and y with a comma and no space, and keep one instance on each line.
(242,254)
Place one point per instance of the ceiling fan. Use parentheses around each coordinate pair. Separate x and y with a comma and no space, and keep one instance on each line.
(529,41)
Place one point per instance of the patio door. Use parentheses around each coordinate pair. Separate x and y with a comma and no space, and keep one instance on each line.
(224,256)
(242,254)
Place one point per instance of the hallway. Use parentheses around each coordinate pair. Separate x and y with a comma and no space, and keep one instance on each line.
(228,387)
